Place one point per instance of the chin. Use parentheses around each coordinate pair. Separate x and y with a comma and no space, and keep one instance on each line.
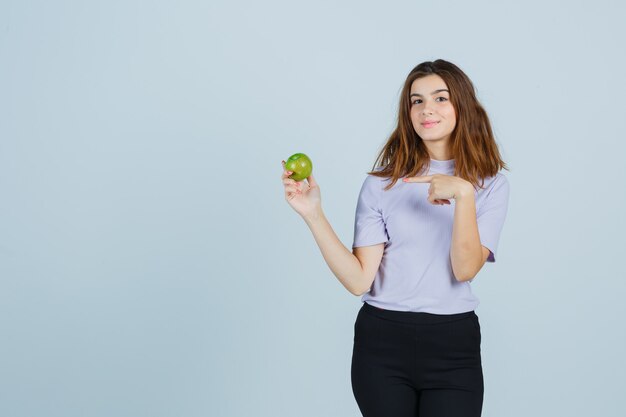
(431,139)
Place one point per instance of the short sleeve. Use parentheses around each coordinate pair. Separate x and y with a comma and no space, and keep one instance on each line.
(491,215)
(369,226)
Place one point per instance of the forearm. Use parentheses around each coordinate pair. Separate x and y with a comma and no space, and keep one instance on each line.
(465,250)
(340,260)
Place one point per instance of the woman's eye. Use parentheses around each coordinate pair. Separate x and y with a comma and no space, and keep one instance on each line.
(417,99)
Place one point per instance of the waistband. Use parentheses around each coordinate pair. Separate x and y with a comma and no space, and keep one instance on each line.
(414,317)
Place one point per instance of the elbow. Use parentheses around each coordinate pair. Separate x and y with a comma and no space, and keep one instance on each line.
(353,290)
(463,276)
(465,271)
(359,293)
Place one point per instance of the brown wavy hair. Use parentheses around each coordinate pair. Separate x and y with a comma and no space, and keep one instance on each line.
(473,146)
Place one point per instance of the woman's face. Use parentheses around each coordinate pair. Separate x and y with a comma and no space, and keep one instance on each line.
(429,103)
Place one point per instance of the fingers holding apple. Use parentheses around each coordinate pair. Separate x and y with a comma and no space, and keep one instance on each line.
(297,168)
(292,187)
(303,196)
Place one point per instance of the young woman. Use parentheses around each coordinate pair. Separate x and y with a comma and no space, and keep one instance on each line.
(418,243)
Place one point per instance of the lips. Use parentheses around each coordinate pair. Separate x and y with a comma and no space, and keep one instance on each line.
(429,124)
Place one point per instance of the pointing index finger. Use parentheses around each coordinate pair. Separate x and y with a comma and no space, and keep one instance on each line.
(425,178)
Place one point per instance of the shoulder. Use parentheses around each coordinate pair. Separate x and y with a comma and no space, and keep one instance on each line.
(498,181)
(501,177)
(495,191)
(373,180)
(372,186)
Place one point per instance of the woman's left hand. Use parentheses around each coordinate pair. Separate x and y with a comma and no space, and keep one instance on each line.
(443,188)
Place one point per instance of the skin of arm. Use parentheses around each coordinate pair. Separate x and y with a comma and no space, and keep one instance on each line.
(343,263)
(467,255)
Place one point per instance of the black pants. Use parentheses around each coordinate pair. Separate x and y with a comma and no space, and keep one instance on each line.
(408,364)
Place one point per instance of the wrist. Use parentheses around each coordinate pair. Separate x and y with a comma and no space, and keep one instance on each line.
(465,193)
(313,217)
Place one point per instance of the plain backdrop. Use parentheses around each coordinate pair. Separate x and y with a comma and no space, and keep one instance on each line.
(150,265)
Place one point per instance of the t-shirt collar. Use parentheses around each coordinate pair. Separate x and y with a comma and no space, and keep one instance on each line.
(442,166)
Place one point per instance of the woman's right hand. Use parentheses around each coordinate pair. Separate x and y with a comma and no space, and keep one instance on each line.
(303,197)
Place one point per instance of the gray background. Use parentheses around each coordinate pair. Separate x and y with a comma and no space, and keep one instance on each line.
(150,266)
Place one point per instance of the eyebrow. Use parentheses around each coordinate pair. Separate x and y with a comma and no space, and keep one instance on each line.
(434,92)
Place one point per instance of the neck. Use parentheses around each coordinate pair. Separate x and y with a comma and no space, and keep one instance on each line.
(438,150)
(440,156)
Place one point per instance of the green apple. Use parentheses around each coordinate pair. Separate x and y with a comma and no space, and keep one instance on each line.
(300,165)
